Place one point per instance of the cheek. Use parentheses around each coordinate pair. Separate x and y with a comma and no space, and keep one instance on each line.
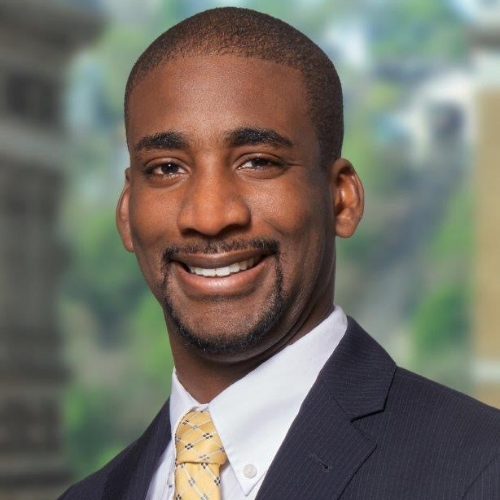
(300,214)
(151,219)
(151,228)
(299,208)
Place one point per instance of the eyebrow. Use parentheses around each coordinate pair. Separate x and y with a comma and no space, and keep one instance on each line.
(163,140)
(243,136)
(250,136)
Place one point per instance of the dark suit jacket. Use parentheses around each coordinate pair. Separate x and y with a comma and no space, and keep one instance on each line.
(367,430)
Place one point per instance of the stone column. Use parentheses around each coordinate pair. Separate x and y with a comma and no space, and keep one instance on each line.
(487,324)
(486,41)
(37,40)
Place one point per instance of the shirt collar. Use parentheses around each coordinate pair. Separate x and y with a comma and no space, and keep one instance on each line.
(253,415)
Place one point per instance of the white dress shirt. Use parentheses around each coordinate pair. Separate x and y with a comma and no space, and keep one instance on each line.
(254,414)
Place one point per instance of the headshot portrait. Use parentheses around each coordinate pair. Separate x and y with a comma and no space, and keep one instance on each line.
(249,251)
(235,199)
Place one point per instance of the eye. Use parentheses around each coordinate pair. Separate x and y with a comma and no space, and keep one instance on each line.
(262,163)
(166,169)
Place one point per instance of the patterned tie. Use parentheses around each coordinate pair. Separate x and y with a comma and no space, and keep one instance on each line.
(199,455)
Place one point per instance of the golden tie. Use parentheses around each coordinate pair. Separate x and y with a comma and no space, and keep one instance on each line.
(199,455)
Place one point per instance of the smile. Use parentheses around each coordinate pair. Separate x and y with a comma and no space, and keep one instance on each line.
(234,268)
(238,273)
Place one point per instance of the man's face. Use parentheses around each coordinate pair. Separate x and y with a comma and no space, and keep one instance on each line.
(226,206)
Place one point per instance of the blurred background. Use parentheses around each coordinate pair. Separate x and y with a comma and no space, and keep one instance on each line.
(84,360)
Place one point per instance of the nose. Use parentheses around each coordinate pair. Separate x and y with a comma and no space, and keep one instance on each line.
(213,203)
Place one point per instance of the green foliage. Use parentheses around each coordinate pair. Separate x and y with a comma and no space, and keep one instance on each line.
(150,344)
(103,274)
(456,236)
(441,323)
(116,390)
(440,329)
(91,423)
(424,28)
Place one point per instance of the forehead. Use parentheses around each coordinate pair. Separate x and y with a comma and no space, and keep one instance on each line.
(207,95)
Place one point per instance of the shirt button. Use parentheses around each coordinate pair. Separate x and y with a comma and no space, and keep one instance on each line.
(170,480)
(250,471)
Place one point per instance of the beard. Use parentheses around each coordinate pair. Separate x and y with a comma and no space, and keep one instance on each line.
(246,334)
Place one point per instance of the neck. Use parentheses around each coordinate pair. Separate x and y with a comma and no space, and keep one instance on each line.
(205,377)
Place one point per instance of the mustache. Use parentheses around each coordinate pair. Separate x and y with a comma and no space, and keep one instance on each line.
(213,246)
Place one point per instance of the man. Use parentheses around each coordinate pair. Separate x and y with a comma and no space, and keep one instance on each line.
(235,193)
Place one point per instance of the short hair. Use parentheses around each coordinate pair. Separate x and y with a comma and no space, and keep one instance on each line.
(248,33)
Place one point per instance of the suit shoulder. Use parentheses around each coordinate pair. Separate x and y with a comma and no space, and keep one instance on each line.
(92,487)
(436,431)
(425,387)
(476,424)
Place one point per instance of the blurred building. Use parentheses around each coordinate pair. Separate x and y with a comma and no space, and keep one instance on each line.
(452,113)
(37,39)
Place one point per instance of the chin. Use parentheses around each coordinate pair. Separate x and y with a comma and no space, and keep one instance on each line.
(228,333)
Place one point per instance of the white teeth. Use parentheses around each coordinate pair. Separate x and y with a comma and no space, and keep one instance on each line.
(223,271)
(226,270)
(207,272)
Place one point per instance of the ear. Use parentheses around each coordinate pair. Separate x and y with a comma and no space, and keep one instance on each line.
(348,197)
(122,214)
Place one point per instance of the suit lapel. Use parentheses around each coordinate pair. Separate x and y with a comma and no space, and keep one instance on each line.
(324,448)
(130,479)
(320,454)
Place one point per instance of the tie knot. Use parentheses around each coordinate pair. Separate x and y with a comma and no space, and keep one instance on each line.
(197,440)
